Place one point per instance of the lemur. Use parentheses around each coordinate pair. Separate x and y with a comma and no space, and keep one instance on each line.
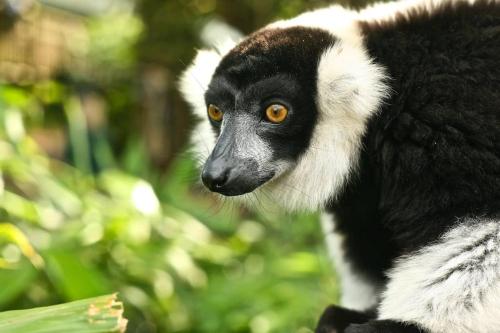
(387,120)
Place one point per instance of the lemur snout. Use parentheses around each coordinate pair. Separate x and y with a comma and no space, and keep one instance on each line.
(231,176)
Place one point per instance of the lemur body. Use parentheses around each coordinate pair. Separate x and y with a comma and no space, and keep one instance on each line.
(392,129)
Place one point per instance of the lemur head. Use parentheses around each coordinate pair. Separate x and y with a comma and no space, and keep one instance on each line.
(283,111)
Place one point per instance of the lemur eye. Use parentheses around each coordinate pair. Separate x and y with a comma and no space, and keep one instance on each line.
(276,113)
(215,113)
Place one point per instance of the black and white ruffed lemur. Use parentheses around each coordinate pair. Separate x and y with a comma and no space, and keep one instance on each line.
(388,121)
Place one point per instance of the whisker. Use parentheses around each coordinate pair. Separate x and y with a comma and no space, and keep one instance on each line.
(295,189)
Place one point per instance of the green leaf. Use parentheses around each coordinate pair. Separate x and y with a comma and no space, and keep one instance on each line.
(96,315)
(14,96)
(62,197)
(73,278)
(13,234)
(19,207)
(15,281)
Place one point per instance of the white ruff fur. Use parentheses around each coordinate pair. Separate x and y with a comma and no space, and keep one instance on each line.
(357,293)
(452,286)
(193,85)
(350,90)
(388,11)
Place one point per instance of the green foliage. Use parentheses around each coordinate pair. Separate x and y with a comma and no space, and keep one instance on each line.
(172,27)
(181,260)
(96,315)
(112,38)
(180,264)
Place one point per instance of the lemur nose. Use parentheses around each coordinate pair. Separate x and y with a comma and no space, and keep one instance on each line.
(215,177)
(230,176)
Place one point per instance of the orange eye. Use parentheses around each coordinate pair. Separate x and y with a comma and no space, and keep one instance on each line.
(276,113)
(214,113)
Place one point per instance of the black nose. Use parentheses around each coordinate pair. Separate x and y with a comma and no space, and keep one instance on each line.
(231,177)
(215,177)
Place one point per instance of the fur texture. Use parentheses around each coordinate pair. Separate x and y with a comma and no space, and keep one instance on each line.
(400,142)
(358,292)
(452,285)
(350,89)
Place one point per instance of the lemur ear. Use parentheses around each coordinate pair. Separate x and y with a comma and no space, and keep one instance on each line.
(195,79)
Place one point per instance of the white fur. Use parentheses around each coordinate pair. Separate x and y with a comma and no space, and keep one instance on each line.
(343,70)
(357,293)
(337,20)
(388,11)
(343,22)
(468,300)
(195,80)
(350,90)
(193,85)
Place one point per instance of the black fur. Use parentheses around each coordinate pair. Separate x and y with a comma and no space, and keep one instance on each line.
(433,152)
(429,157)
(383,326)
(274,65)
(337,319)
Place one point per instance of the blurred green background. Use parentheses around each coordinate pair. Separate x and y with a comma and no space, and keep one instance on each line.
(98,194)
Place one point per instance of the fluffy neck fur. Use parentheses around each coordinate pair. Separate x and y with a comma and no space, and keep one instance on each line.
(350,89)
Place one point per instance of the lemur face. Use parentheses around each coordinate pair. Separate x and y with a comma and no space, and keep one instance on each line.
(261,130)
(261,106)
(282,114)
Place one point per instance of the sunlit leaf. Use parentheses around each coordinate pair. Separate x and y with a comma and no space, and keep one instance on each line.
(11,233)
(135,190)
(298,263)
(61,197)
(14,97)
(19,207)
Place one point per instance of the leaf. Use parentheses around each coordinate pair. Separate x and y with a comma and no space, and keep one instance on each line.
(15,281)
(62,197)
(102,314)
(14,235)
(72,278)
(19,207)
(14,96)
